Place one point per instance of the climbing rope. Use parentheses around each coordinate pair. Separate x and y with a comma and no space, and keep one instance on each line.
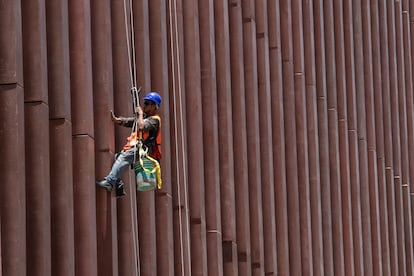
(175,59)
(130,42)
(133,78)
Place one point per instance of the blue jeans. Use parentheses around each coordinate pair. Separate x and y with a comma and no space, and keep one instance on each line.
(123,160)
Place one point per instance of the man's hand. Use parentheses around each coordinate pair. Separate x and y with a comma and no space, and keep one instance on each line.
(115,119)
(139,111)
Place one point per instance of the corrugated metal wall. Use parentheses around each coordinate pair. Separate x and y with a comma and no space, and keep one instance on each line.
(288,137)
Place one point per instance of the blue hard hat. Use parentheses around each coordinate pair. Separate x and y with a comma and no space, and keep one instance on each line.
(153,97)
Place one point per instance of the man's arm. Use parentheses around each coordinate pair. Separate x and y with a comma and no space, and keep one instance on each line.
(123,121)
(140,121)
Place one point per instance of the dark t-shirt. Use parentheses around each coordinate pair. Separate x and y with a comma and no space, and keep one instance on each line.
(151,125)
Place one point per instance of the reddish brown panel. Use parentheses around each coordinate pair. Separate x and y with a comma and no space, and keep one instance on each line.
(346,195)
(61,198)
(34,56)
(57,28)
(266,147)
(165,265)
(408,57)
(314,183)
(370,136)
(278,138)
(229,254)
(102,75)
(399,218)
(122,106)
(84,205)
(361,133)
(384,220)
(408,91)
(378,75)
(401,93)
(37,137)
(320,62)
(209,111)
(11,67)
(393,99)
(225,139)
(194,137)
(385,84)
(312,137)
(290,139)
(301,138)
(160,83)
(127,230)
(179,189)
(396,134)
(239,139)
(408,102)
(81,67)
(83,145)
(215,250)
(142,42)
(375,212)
(342,86)
(106,217)
(349,63)
(365,207)
(392,220)
(37,188)
(253,141)
(334,63)
(303,177)
(146,212)
(12,200)
(355,201)
(408,229)
(61,177)
(211,140)
(103,133)
(334,66)
(336,205)
(410,96)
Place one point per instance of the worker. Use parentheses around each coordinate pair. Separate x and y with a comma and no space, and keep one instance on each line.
(148,122)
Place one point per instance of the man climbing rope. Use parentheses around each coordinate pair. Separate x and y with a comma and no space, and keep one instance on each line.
(147,125)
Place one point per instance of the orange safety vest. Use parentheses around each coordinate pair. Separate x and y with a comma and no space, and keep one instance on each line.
(133,139)
(156,150)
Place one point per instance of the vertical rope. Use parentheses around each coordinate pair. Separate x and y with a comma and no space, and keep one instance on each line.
(134,67)
(176,131)
(174,37)
(132,73)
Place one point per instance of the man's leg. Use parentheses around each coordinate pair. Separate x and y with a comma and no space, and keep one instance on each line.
(120,188)
(124,159)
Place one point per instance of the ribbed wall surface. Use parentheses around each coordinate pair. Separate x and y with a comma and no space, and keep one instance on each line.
(288,137)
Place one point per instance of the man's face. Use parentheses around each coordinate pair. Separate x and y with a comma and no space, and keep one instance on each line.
(149,107)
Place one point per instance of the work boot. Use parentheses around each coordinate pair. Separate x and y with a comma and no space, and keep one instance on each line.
(120,188)
(104,184)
